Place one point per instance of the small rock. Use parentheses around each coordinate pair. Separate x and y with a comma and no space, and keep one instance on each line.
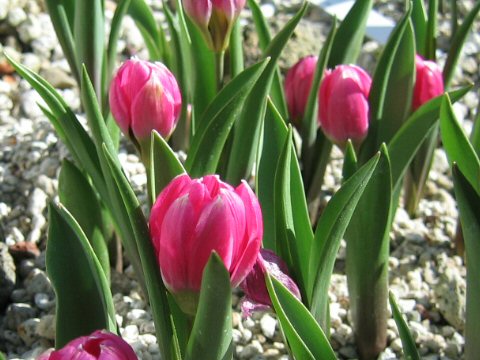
(38,282)
(18,313)
(268,324)
(28,331)
(251,350)
(7,275)
(46,327)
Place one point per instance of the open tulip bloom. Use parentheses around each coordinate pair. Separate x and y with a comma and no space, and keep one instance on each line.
(233,195)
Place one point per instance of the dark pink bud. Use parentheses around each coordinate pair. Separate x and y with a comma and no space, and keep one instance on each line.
(215,18)
(100,345)
(298,83)
(144,96)
(343,103)
(190,219)
(254,287)
(428,82)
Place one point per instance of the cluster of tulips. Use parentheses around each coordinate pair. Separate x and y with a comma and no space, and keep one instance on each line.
(208,231)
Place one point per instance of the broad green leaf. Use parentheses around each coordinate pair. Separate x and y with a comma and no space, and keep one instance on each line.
(475,134)
(203,78)
(264,38)
(80,199)
(120,11)
(305,338)
(350,161)
(112,198)
(459,150)
(248,126)
(398,94)
(211,336)
(236,50)
(89,35)
(151,271)
(431,31)
(209,141)
(408,139)
(457,44)
(409,349)
(367,239)
(419,20)
(76,274)
(350,34)
(2,356)
(62,13)
(67,126)
(328,234)
(274,136)
(469,206)
(382,87)
(165,165)
(152,34)
(310,121)
(293,232)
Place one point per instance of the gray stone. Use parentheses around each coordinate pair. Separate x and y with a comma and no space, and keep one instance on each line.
(7,275)
(268,325)
(38,282)
(46,327)
(18,313)
(28,331)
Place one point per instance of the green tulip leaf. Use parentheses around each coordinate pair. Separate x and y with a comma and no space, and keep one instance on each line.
(411,135)
(305,338)
(236,50)
(76,274)
(153,281)
(164,164)
(248,126)
(459,150)
(89,37)
(274,136)
(468,200)
(80,199)
(350,161)
(264,39)
(431,30)
(209,141)
(409,349)
(419,20)
(457,44)
(67,126)
(151,32)
(211,336)
(115,27)
(350,34)
(367,239)
(293,232)
(329,232)
(395,68)
(62,15)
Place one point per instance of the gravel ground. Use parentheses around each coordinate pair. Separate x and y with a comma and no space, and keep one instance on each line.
(426,276)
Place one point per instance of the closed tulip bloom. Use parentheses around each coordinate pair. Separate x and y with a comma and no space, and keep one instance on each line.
(254,287)
(100,345)
(428,82)
(145,96)
(343,103)
(215,18)
(298,83)
(190,219)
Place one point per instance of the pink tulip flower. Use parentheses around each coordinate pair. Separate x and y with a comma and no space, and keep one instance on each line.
(428,82)
(343,103)
(215,18)
(298,83)
(190,219)
(145,96)
(254,287)
(100,345)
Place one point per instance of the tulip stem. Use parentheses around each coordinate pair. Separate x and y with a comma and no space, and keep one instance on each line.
(219,68)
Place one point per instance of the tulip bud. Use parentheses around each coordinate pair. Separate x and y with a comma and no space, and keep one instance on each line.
(298,83)
(428,82)
(254,287)
(99,345)
(144,96)
(190,219)
(343,103)
(215,18)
